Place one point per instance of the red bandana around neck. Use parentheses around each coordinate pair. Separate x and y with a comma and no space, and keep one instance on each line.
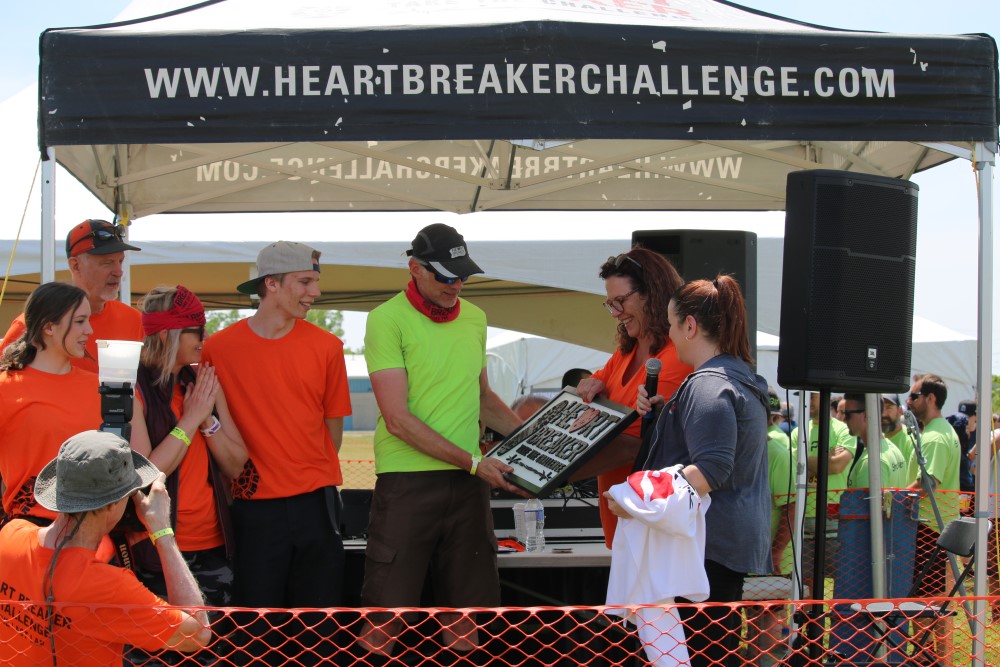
(431,310)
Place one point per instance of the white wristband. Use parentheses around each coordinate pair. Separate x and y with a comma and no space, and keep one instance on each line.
(213,429)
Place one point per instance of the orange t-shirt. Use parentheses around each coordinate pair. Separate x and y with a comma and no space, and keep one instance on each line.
(197,523)
(118,321)
(623,391)
(86,635)
(279,393)
(38,412)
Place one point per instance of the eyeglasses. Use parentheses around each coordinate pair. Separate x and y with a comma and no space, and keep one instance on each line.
(103,234)
(915,395)
(616,306)
(618,260)
(848,413)
(444,279)
(198,331)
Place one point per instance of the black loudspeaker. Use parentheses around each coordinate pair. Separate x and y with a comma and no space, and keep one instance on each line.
(847,282)
(699,253)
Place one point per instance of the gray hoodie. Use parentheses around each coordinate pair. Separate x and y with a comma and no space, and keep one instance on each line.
(717,420)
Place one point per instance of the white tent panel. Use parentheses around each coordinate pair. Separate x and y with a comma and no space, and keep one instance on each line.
(936,349)
(519,364)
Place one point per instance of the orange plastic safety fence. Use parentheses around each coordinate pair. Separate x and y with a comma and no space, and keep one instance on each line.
(910,528)
(357,473)
(920,631)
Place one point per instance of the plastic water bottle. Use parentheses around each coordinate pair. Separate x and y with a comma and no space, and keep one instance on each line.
(534,525)
(519,522)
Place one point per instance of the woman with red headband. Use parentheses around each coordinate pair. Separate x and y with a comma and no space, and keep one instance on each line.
(188,433)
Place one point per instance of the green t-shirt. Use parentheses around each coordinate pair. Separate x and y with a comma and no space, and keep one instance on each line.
(774,432)
(443,362)
(781,477)
(836,482)
(943,453)
(904,443)
(894,469)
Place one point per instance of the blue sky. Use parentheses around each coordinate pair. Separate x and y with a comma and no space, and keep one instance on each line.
(946,255)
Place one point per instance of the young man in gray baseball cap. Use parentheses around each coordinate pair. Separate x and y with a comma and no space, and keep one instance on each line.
(286,386)
(89,484)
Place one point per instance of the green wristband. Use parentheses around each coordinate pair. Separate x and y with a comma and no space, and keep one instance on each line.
(179,433)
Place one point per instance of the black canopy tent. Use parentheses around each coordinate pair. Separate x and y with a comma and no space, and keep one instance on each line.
(683,105)
(244,105)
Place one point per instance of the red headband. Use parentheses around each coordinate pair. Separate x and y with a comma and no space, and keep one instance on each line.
(186,312)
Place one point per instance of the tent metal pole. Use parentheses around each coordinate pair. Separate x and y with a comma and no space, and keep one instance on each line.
(801,489)
(984,158)
(48,221)
(873,441)
(123,215)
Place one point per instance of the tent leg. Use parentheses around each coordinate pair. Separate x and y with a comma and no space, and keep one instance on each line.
(984,159)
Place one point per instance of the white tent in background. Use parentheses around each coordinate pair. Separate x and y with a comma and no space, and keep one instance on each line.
(936,349)
(520,364)
(545,288)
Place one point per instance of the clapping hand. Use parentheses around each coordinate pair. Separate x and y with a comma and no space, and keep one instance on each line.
(199,397)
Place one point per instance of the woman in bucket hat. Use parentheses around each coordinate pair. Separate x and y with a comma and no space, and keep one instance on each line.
(61,604)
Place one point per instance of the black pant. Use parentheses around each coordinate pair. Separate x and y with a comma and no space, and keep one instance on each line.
(289,554)
(713,633)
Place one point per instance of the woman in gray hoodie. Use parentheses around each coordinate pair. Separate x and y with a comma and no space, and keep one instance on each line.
(715,425)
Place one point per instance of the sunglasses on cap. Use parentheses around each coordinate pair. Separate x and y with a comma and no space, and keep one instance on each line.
(103,234)
(444,279)
(618,260)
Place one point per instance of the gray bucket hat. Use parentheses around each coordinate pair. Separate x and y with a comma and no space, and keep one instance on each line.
(91,470)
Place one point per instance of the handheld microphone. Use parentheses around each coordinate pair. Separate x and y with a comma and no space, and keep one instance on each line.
(653,366)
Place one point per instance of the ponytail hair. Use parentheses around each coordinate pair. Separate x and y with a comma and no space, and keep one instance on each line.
(719,309)
(48,304)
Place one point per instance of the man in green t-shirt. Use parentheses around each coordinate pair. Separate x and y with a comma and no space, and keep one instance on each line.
(426,355)
(841,453)
(896,433)
(941,452)
(774,431)
(894,475)
(842,445)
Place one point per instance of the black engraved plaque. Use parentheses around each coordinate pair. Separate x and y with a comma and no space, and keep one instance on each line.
(558,439)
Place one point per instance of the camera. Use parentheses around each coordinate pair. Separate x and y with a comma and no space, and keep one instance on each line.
(116,408)
(116,415)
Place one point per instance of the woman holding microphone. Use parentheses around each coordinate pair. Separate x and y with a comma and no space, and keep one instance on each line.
(639,284)
(715,425)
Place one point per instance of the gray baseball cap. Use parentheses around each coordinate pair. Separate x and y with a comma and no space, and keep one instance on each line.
(281,257)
